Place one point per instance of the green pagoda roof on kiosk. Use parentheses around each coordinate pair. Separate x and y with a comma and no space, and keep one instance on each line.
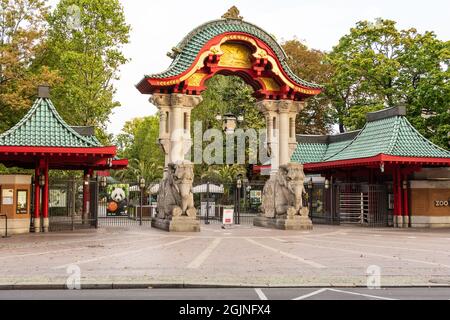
(387,137)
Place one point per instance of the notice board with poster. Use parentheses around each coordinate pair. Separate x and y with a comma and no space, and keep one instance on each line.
(22,202)
(228,215)
(8,197)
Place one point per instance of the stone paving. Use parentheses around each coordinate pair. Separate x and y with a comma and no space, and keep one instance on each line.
(237,256)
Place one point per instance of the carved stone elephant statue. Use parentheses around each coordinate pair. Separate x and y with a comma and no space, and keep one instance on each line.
(175,196)
(283,193)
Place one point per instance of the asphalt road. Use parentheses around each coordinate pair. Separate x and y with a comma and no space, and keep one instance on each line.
(234,294)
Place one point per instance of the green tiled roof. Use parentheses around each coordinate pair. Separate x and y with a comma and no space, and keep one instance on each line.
(42,126)
(309,152)
(191,45)
(391,135)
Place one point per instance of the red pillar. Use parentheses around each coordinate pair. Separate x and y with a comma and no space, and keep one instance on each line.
(45,198)
(406,200)
(37,201)
(45,193)
(394,190)
(399,195)
(398,215)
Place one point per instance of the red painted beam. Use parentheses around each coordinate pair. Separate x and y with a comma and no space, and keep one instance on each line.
(377,160)
(110,151)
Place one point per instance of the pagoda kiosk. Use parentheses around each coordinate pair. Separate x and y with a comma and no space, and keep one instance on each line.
(410,173)
(43,141)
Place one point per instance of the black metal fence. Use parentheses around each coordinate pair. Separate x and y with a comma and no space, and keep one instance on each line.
(212,199)
(75,205)
(67,208)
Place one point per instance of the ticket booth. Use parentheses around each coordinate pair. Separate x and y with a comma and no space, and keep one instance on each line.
(15,193)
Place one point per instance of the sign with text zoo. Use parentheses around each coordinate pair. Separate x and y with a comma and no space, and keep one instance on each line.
(441,203)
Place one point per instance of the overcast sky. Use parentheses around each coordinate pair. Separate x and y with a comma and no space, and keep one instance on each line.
(157,26)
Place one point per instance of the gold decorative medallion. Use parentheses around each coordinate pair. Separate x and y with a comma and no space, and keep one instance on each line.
(235,56)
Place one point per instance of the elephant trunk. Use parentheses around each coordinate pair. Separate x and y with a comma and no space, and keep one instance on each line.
(185,192)
(297,193)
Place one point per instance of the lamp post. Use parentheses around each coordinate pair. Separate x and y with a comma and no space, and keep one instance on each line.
(239,190)
(327,198)
(207,203)
(103,182)
(230,122)
(142,187)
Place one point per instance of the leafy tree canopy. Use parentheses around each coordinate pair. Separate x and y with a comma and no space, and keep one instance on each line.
(377,66)
(22,35)
(85,44)
(139,143)
(308,64)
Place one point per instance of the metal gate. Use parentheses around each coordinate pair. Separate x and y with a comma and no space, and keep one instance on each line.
(67,210)
(362,204)
(212,198)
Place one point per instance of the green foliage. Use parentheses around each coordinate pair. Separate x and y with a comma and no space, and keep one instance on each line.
(226,94)
(226,174)
(357,116)
(87,57)
(139,143)
(22,31)
(378,65)
(308,64)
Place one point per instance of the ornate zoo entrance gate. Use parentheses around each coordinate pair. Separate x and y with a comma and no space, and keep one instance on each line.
(228,46)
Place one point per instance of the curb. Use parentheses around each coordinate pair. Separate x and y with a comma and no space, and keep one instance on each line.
(129,286)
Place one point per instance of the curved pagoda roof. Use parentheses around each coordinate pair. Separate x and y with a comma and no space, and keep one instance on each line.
(43,134)
(188,52)
(42,126)
(388,137)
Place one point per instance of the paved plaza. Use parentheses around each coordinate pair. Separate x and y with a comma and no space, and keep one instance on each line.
(240,256)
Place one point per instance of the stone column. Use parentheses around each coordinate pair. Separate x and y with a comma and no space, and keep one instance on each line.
(283,110)
(284,192)
(282,143)
(176,211)
(181,108)
(162,102)
(175,111)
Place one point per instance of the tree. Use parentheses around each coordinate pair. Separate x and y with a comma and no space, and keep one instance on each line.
(226,94)
(224,174)
(139,143)
(22,30)
(85,44)
(377,66)
(309,64)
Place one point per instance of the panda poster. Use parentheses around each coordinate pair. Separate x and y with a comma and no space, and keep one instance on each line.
(118,200)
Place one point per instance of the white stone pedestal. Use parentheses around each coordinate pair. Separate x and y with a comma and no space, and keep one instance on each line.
(177,224)
(292,223)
